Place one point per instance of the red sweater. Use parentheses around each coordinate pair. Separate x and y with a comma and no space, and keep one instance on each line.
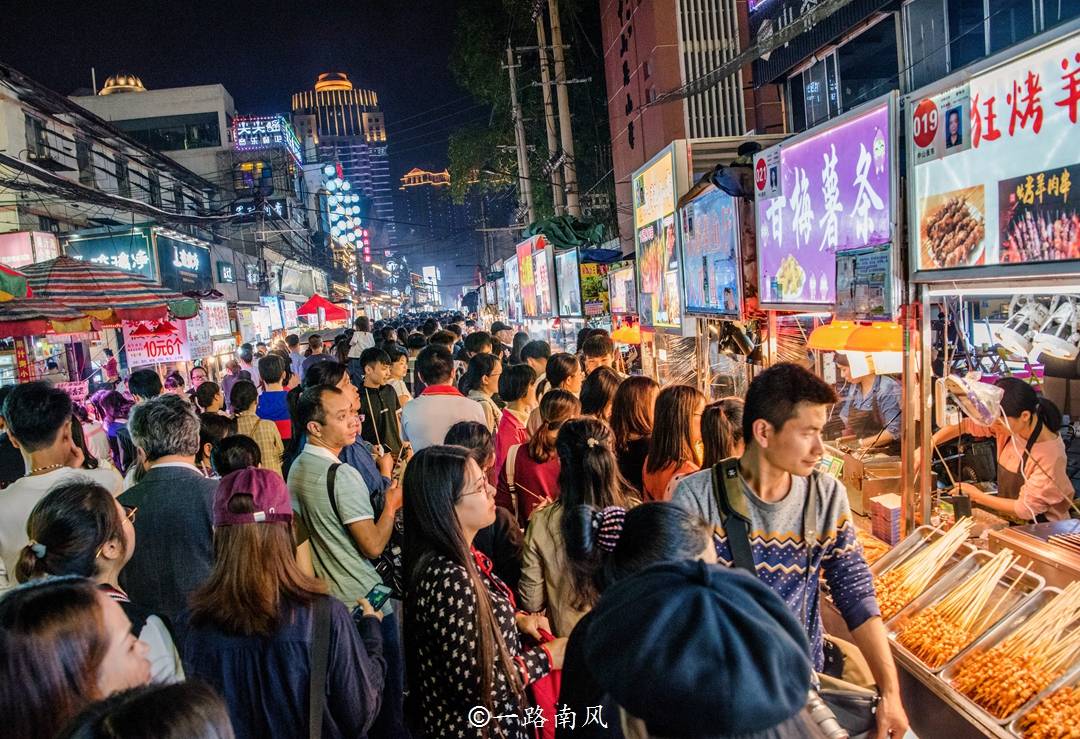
(511,431)
(535,483)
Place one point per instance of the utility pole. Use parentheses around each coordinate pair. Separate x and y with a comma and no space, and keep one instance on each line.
(558,195)
(573,206)
(524,182)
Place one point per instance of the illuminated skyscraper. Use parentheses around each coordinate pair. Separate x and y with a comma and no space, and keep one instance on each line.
(351,130)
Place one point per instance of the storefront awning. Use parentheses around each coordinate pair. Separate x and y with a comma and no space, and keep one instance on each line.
(330,311)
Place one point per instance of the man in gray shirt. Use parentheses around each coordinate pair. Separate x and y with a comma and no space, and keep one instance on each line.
(795,538)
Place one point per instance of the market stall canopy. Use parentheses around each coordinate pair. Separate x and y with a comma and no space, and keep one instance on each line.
(566,232)
(37,316)
(12,284)
(106,293)
(330,311)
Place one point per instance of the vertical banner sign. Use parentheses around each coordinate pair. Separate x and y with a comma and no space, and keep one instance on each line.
(155,342)
(594,288)
(22,361)
(995,163)
(835,194)
(217,318)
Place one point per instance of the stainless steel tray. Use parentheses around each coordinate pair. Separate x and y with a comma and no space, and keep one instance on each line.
(1029,584)
(1070,679)
(991,639)
(911,544)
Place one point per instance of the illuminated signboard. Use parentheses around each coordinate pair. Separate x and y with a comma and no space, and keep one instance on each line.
(226,272)
(512,281)
(536,267)
(184,266)
(656,242)
(826,191)
(993,169)
(129,250)
(568,281)
(711,268)
(244,210)
(255,133)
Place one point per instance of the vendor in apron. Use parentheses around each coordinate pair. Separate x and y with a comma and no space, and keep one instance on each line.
(1031,478)
(870,410)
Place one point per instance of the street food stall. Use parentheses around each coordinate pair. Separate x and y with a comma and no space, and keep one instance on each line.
(982,606)
(829,280)
(534,279)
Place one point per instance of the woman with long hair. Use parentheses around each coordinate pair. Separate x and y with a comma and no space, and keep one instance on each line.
(673,449)
(588,476)
(520,340)
(564,372)
(721,431)
(480,382)
(94,437)
(502,540)
(246,621)
(619,546)
(115,408)
(529,477)
(80,529)
(598,392)
(632,424)
(65,645)
(462,636)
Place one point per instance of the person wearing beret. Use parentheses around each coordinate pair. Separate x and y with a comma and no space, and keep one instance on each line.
(725,657)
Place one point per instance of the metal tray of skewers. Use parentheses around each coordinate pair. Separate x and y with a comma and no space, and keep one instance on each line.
(1000,596)
(911,544)
(992,638)
(1055,712)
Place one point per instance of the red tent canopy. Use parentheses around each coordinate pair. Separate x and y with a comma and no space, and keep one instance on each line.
(331,311)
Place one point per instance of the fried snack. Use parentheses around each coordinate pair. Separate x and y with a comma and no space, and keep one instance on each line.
(790,277)
(873,547)
(953,233)
(905,582)
(1057,716)
(1005,677)
(933,638)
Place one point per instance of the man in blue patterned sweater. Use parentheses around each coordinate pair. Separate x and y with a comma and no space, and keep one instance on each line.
(794,539)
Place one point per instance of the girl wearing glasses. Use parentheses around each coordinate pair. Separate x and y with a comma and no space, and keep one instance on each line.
(80,529)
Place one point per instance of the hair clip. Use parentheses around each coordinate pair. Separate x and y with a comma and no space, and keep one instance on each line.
(37,548)
(608,524)
(592,442)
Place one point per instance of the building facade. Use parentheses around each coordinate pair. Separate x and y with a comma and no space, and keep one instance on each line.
(655,47)
(351,130)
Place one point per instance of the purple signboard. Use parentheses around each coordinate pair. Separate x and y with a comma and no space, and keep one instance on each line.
(826,192)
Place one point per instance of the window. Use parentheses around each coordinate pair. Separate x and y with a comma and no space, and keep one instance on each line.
(35,137)
(927,37)
(155,189)
(84,157)
(1058,11)
(867,66)
(174,132)
(814,94)
(1010,21)
(253,178)
(967,35)
(178,198)
(123,177)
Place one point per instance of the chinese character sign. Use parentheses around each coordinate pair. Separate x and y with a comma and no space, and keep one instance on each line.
(155,342)
(130,251)
(527,279)
(995,165)
(656,243)
(266,132)
(217,317)
(835,194)
(594,288)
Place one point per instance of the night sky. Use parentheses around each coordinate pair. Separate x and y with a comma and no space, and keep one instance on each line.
(261,52)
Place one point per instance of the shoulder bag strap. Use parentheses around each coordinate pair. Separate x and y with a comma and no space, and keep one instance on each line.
(725,476)
(810,532)
(319,664)
(374,416)
(331,479)
(511,463)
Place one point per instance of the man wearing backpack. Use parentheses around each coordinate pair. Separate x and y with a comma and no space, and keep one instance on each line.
(776,516)
(334,507)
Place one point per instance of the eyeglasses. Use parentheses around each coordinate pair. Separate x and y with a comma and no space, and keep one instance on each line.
(482,487)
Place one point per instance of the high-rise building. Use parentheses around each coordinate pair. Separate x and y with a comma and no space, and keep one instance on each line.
(652,48)
(351,130)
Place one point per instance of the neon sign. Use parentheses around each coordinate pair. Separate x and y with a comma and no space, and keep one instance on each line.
(266,132)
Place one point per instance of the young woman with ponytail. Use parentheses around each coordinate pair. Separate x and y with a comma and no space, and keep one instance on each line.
(80,529)
(462,635)
(616,544)
(721,431)
(1032,481)
(588,476)
(535,464)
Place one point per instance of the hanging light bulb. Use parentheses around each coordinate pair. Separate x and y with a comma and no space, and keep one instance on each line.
(345,185)
(329,170)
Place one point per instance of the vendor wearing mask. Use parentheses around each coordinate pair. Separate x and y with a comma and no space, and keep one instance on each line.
(870,410)
(1031,478)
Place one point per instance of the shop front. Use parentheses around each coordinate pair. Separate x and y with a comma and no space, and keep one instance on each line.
(536,285)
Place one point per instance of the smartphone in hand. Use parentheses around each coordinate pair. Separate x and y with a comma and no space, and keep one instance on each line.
(377,597)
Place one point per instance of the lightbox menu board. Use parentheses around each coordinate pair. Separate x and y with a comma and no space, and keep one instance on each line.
(569,283)
(828,190)
(994,165)
(710,262)
(512,280)
(656,242)
(622,288)
(536,267)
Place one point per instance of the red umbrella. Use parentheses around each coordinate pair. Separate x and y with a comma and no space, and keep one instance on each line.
(331,311)
(106,293)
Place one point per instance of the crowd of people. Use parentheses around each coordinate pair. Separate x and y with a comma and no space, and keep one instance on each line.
(426,529)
